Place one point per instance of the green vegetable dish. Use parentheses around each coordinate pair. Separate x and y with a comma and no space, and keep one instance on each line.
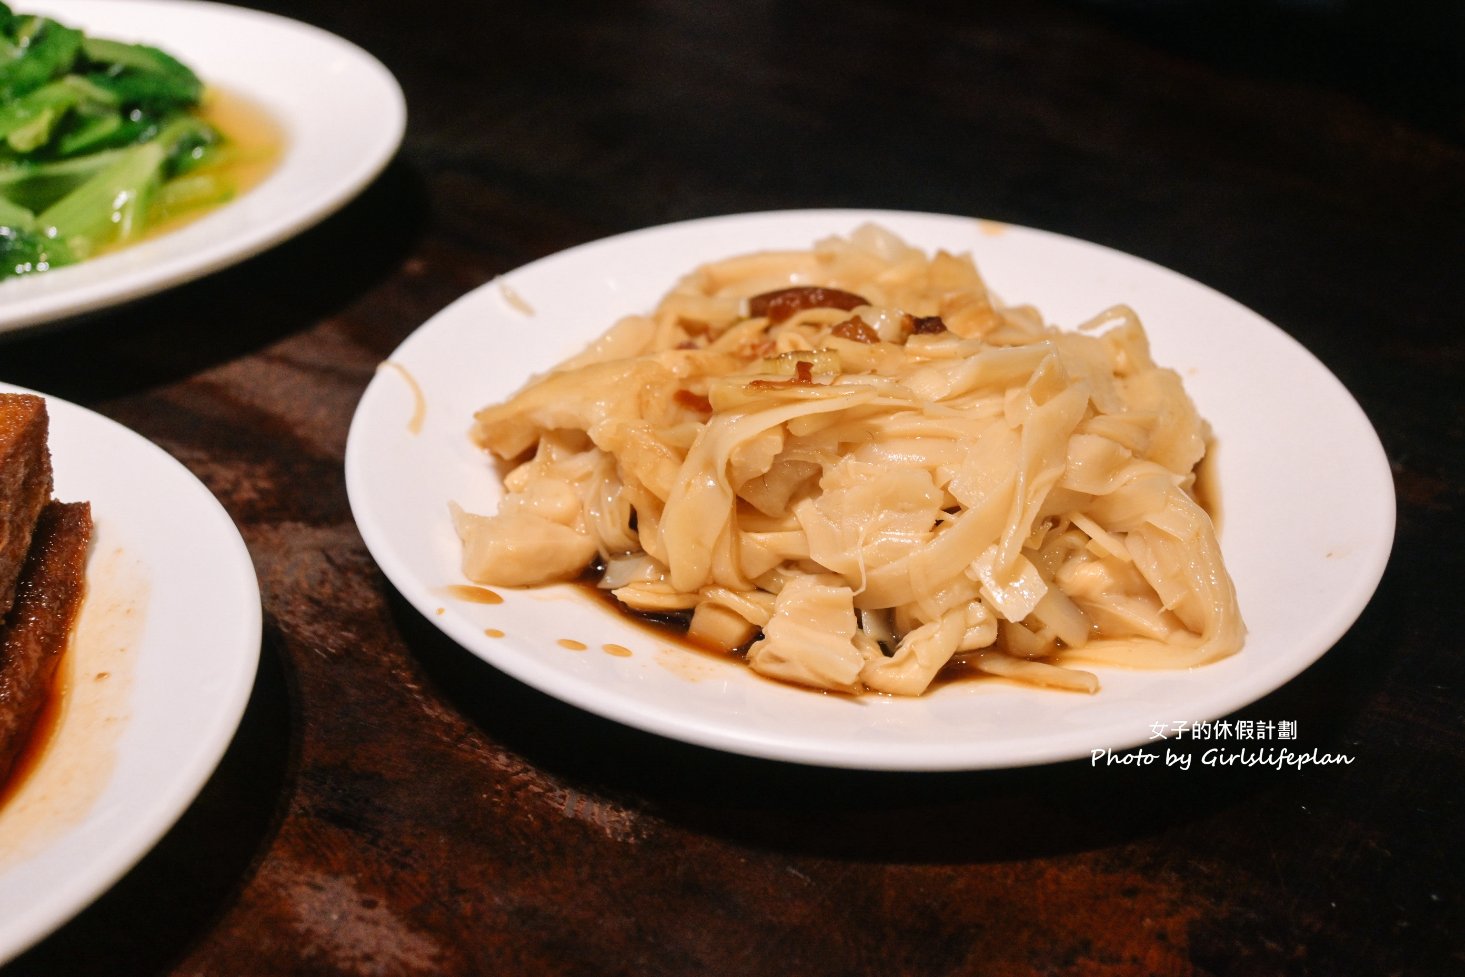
(100,142)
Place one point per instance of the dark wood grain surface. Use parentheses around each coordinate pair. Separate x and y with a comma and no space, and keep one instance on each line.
(391,805)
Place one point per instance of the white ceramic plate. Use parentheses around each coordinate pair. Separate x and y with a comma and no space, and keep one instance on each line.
(1307,500)
(156,680)
(341,112)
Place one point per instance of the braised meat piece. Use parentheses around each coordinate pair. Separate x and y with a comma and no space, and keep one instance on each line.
(25,484)
(38,627)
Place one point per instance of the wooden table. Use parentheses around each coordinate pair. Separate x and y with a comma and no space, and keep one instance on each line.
(391,805)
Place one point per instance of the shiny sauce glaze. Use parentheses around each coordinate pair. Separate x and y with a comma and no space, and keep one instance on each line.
(42,734)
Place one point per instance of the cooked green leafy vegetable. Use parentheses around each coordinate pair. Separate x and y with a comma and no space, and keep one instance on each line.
(99,139)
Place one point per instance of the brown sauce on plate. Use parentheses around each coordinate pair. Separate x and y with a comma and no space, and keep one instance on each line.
(663,627)
(48,721)
(672,628)
(473,594)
